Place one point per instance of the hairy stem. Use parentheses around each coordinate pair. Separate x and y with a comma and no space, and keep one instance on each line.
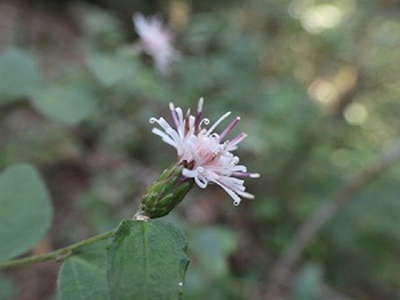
(55,255)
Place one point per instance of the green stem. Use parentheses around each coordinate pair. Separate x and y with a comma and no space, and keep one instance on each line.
(57,254)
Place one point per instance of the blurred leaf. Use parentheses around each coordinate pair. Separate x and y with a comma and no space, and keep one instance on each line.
(212,246)
(69,104)
(125,74)
(31,144)
(7,288)
(195,283)
(147,260)
(110,69)
(83,276)
(25,213)
(19,74)
(202,30)
(103,30)
(308,283)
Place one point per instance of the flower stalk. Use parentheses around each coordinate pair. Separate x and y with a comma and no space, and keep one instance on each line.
(59,254)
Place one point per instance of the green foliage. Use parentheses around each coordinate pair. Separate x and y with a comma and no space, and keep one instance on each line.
(68,104)
(83,275)
(19,75)
(31,144)
(111,70)
(144,260)
(147,260)
(26,211)
(209,274)
(211,247)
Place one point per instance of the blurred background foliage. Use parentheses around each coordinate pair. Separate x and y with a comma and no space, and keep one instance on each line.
(315,82)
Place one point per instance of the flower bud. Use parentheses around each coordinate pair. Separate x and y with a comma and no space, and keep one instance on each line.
(165,193)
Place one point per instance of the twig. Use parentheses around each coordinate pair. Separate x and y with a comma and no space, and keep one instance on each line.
(282,270)
(59,254)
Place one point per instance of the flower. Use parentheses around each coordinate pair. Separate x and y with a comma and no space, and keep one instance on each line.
(204,154)
(156,40)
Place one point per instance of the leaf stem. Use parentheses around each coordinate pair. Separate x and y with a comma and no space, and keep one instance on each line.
(58,254)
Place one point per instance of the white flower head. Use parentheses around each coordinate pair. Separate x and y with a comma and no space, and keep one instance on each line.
(156,40)
(206,155)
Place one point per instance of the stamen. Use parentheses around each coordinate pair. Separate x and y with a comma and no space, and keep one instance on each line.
(198,116)
(229,128)
(200,105)
(179,115)
(246,195)
(197,123)
(232,144)
(217,122)
(245,174)
(173,113)
(191,121)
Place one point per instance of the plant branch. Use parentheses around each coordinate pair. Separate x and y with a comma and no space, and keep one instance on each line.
(55,255)
(308,231)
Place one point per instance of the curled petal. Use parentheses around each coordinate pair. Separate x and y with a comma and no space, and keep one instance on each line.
(234,196)
(164,137)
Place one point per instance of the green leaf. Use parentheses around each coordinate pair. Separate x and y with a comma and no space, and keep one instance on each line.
(124,73)
(212,246)
(7,289)
(83,276)
(69,104)
(25,213)
(19,74)
(110,70)
(147,260)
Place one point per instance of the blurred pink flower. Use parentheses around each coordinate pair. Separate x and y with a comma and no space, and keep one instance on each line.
(205,155)
(156,41)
